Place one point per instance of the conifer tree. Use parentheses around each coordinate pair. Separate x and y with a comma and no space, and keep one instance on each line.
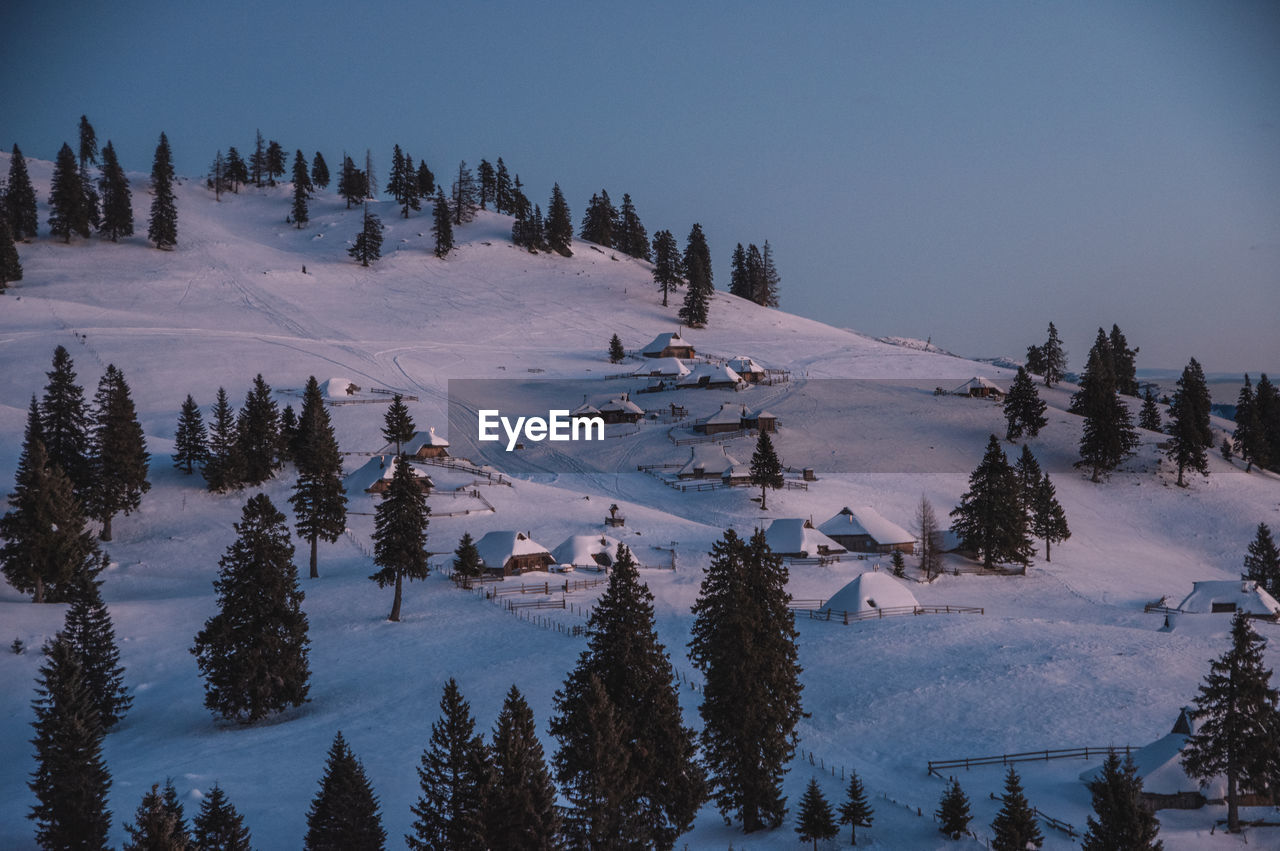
(89,156)
(926,528)
(464,200)
(237,171)
(739,281)
(352,183)
(624,654)
(218,826)
(598,221)
(402,183)
(487,178)
(1055,358)
(88,144)
(1149,416)
(301,190)
(633,239)
(156,827)
(118,456)
(1015,826)
(1262,561)
(666,263)
(1248,435)
(1191,437)
(600,816)
(398,426)
(1048,520)
(344,814)
(855,811)
(426,180)
(68,213)
(290,443)
(224,468)
(275,162)
(71,779)
(899,564)
(258,160)
(20,199)
(953,811)
(815,820)
(64,420)
(1239,721)
(319,171)
(253,653)
(616,352)
(744,643)
(400,533)
(990,519)
(766,469)
(441,225)
(368,243)
(697,272)
(466,558)
(502,195)
(772,280)
(258,434)
(1023,408)
(319,500)
(538,239)
(174,806)
(1122,823)
(10,264)
(696,304)
(162,227)
(1035,360)
(1028,473)
(1266,405)
(455,775)
(521,810)
(117,200)
(1123,358)
(1108,436)
(89,629)
(559,226)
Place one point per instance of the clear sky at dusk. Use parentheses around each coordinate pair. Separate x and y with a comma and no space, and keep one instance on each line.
(965,171)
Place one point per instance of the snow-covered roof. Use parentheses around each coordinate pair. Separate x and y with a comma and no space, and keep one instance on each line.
(419,440)
(620,404)
(667,367)
(662,341)
(792,535)
(496,547)
(865,520)
(586,409)
(978,383)
(1243,593)
(744,365)
(730,413)
(869,591)
(713,374)
(580,550)
(711,458)
(1160,764)
(337,388)
(376,468)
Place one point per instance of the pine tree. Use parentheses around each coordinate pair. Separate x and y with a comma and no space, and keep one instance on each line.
(71,780)
(1048,520)
(694,310)
(319,171)
(258,434)
(258,159)
(744,643)
(766,469)
(1015,826)
(1023,408)
(633,239)
(666,263)
(1108,436)
(502,195)
(253,653)
(319,500)
(1028,474)
(117,200)
(521,810)
(20,199)
(441,225)
(368,243)
(1124,359)
(1239,721)
(1055,358)
(1262,561)
(162,227)
(990,519)
(624,654)
(118,456)
(237,171)
(218,827)
(289,446)
(10,264)
(224,468)
(353,185)
(301,190)
(855,811)
(275,162)
(600,816)
(68,213)
(455,775)
(559,226)
(697,271)
(1035,360)
(88,156)
(191,440)
(402,183)
(400,533)
(815,820)
(426,180)
(156,826)
(487,178)
(1189,430)
(598,221)
(899,564)
(398,426)
(1123,823)
(538,239)
(464,199)
(64,420)
(926,528)
(616,352)
(1248,432)
(1149,416)
(739,282)
(89,629)
(1266,405)
(953,811)
(772,280)
(344,814)
(466,558)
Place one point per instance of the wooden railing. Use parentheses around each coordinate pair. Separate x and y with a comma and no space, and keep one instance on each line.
(939,765)
(890,611)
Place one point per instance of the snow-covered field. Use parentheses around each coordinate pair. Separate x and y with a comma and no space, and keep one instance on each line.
(1062,657)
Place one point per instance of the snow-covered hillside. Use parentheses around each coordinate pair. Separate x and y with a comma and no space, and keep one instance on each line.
(1062,657)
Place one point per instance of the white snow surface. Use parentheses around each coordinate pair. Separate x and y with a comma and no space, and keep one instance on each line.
(871,590)
(1243,594)
(1062,657)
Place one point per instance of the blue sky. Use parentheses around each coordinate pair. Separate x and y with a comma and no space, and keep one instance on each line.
(961,171)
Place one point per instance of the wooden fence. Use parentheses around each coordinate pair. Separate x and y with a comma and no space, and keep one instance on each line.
(938,765)
(568,586)
(891,611)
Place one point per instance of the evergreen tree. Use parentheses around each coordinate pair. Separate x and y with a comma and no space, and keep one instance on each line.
(398,426)
(1262,561)
(598,221)
(319,500)
(1055,358)
(697,271)
(90,632)
(118,456)
(1124,359)
(156,827)
(237,170)
(174,806)
(258,434)
(368,243)
(426,181)
(739,280)
(344,814)
(1028,474)
(454,774)
(441,225)
(744,643)
(1035,360)
(1048,520)
(352,183)
(1248,435)
(1023,408)
(990,519)
(487,183)
(258,160)
(68,213)
(926,528)
(1123,823)
(223,470)
(559,226)
(71,780)
(1266,405)
(400,533)
(772,280)
(502,195)
(616,352)
(633,239)
(319,171)
(815,820)
(600,817)
(899,564)
(1149,416)
(464,199)
(162,227)
(218,826)
(89,156)
(1191,436)
(855,811)
(953,811)
(1108,436)
(1239,721)
(275,162)
(694,310)
(538,240)
(117,200)
(766,469)
(624,654)
(403,183)
(20,199)
(253,653)
(521,812)
(1015,826)
(301,190)
(88,144)
(64,421)
(290,445)
(666,263)
(466,558)
(10,265)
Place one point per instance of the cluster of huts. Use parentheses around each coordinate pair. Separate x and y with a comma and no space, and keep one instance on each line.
(507,553)
(861,530)
(665,358)
(375,475)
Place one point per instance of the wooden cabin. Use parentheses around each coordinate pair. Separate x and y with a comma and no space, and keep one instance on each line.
(621,410)
(670,345)
(864,531)
(511,554)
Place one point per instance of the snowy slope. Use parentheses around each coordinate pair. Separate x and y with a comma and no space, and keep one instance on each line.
(1061,657)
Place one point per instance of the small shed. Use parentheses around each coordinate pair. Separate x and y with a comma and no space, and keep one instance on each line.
(339,388)
(870,591)
(864,530)
(979,387)
(1230,596)
(621,410)
(512,553)
(728,418)
(662,368)
(750,371)
(375,476)
(593,552)
(670,345)
(707,461)
(427,444)
(585,411)
(795,537)
(710,375)
(764,421)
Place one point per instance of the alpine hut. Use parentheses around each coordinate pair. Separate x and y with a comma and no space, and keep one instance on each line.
(795,537)
(670,345)
(863,530)
(511,553)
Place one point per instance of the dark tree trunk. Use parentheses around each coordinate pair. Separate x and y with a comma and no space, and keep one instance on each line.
(395,604)
(106,529)
(315,574)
